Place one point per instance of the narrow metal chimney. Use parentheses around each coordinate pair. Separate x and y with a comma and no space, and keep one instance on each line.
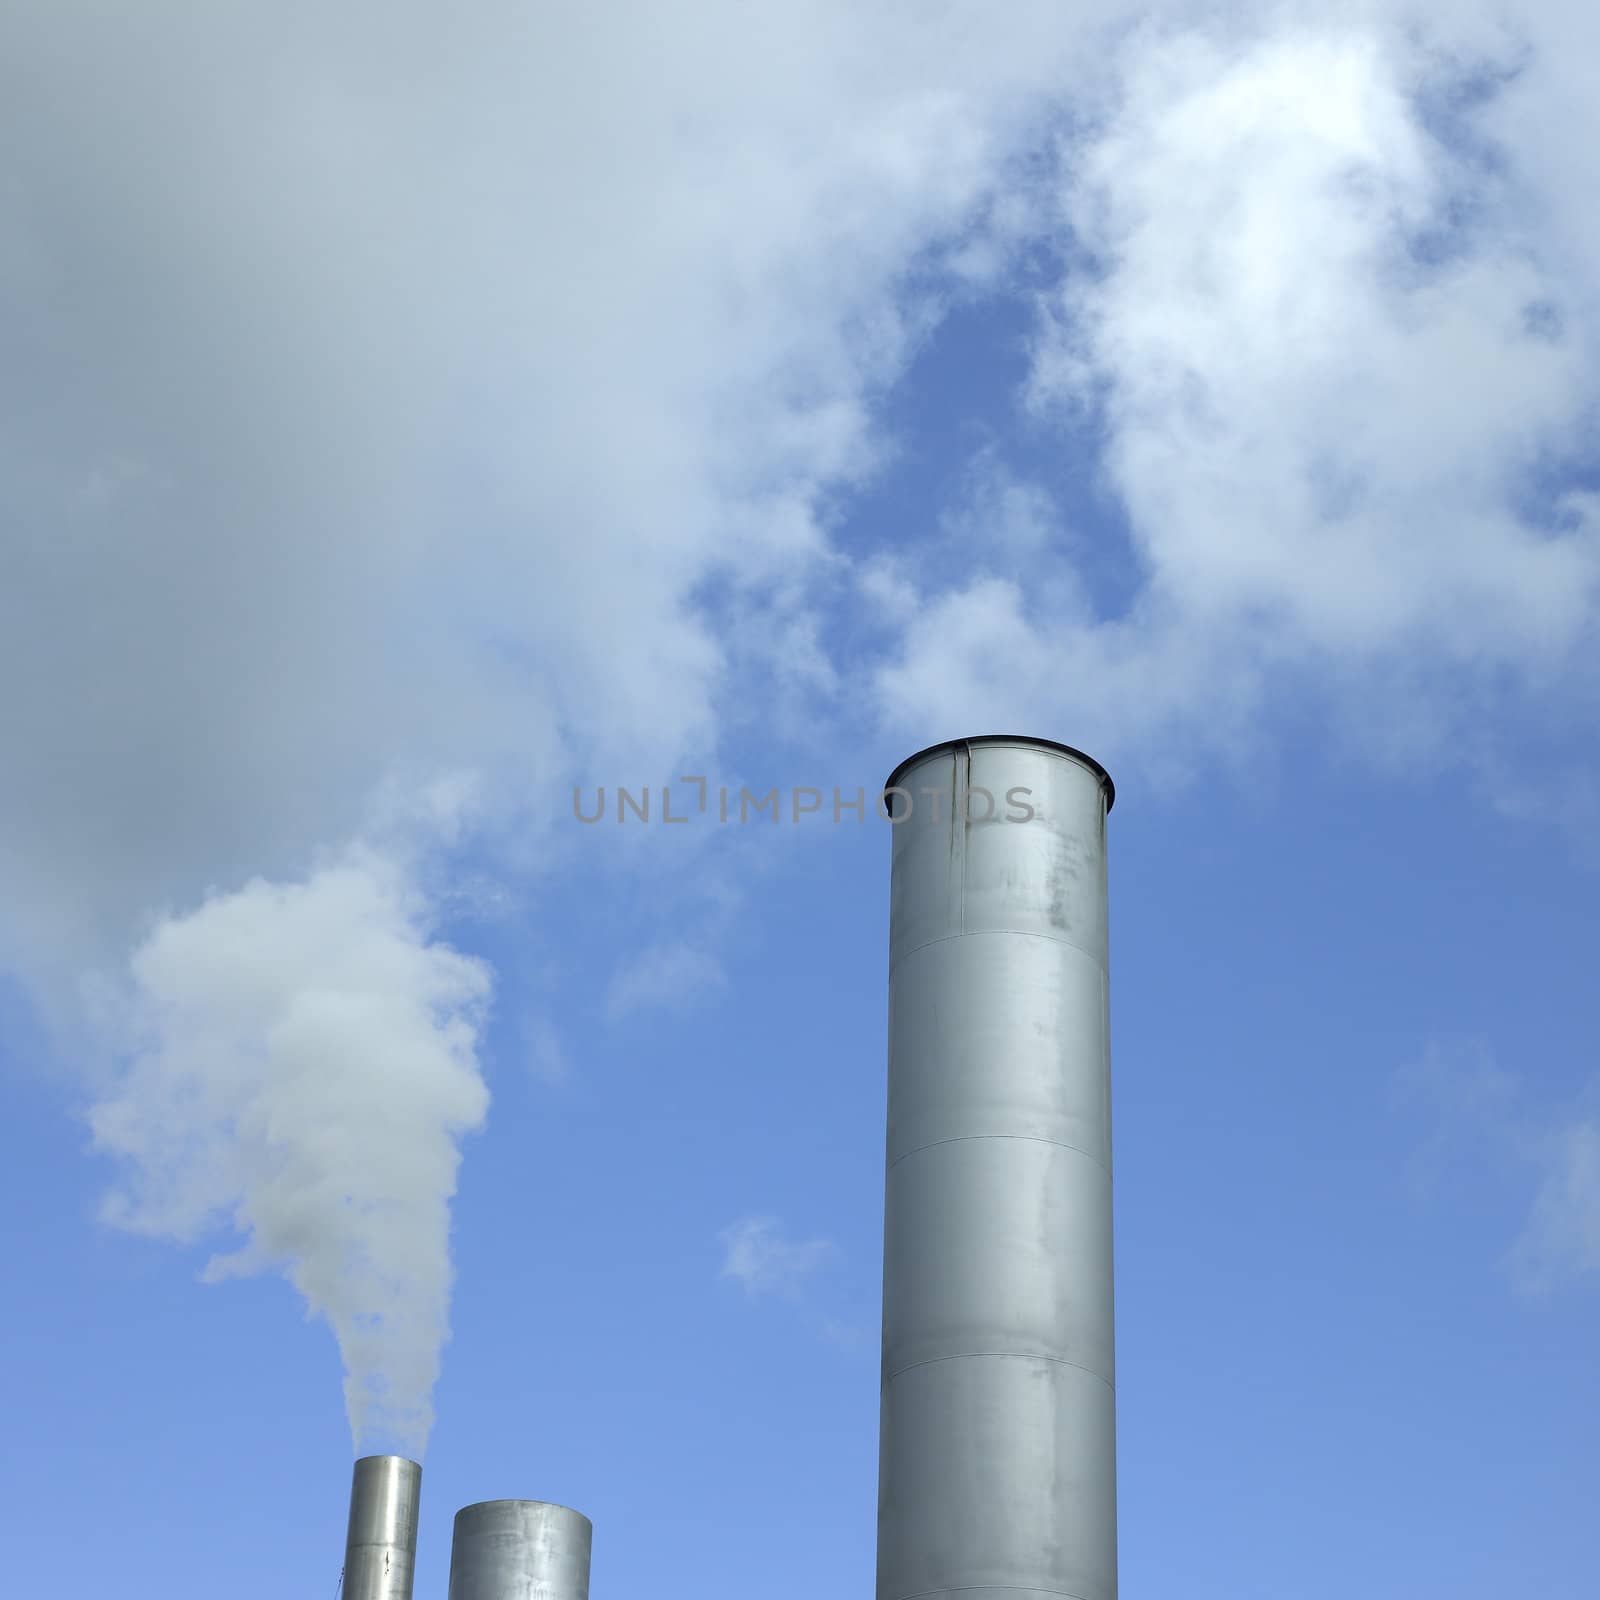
(520,1550)
(381,1547)
(997,1472)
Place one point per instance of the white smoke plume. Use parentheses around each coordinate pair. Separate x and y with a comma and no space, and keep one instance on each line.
(306,1068)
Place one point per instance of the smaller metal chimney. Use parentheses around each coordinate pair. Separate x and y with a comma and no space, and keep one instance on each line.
(520,1550)
(380,1550)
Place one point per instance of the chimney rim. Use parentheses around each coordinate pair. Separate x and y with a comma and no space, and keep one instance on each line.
(1026,740)
(553,1505)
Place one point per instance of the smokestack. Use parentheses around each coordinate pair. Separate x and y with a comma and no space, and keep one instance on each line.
(997,1470)
(520,1550)
(381,1547)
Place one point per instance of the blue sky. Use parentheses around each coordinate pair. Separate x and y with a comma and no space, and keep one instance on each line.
(583,404)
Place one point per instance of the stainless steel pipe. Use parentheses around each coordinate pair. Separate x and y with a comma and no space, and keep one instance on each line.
(381,1545)
(520,1550)
(997,1473)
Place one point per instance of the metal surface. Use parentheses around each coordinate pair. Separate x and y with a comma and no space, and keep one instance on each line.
(997,1472)
(520,1550)
(950,745)
(381,1546)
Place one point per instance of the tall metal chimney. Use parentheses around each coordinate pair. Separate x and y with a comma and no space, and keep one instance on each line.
(520,1550)
(997,1470)
(380,1550)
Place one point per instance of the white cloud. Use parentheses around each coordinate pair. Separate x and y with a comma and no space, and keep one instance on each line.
(1016,521)
(759,1258)
(380,395)
(547,1055)
(304,1073)
(1482,1122)
(1465,1096)
(669,977)
(384,398)
(1562,1236)
(1331,359)
(1310,420)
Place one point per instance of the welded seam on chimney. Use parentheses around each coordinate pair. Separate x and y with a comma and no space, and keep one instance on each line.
(1027,1138)
(1015,933)
(997,1355)
(993,1588)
